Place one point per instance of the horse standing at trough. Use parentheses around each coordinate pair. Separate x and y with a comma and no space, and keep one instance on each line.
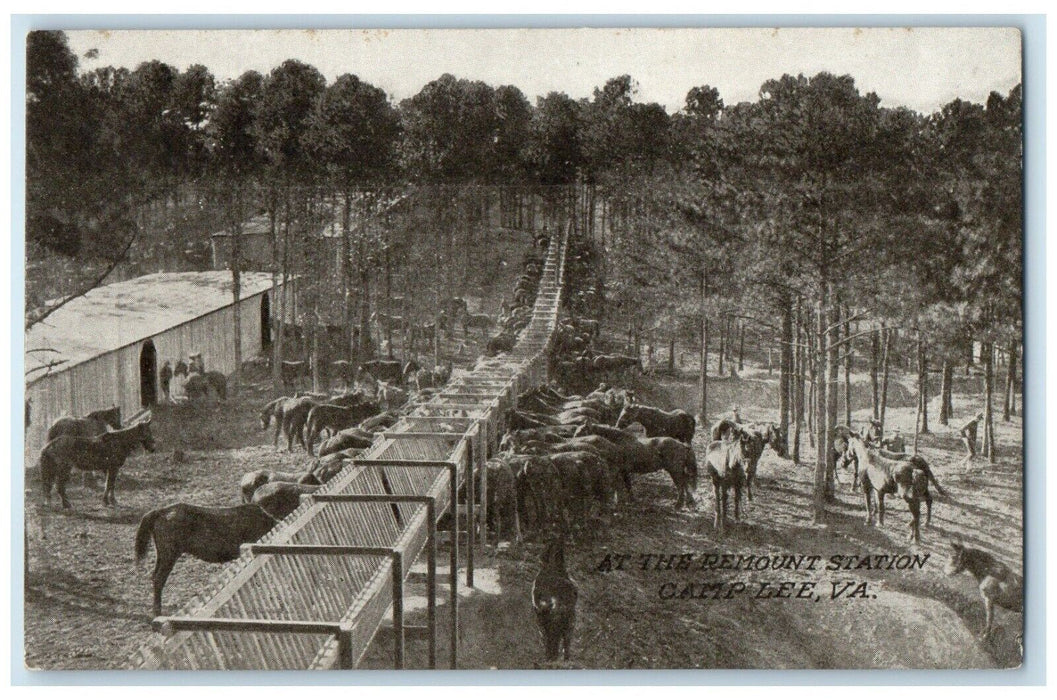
(335,418)
(105,453)
(676,424)
(213,535)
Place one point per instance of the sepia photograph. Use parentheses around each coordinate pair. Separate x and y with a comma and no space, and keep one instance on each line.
(523,348)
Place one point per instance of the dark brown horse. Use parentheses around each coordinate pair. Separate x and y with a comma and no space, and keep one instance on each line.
(211,534)
(554,596)
(335,418)
(105,453)
(999,585)
(676,424)
(95,423)
(199,385)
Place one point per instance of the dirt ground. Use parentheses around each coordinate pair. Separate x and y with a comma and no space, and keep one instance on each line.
(88,605)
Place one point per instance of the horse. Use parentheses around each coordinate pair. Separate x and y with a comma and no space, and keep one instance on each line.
(295,414)
(726,462)
(291,371)
(998,584)
(909,479)
(280,498)
(554,596)
(726,429)
(93,424)
(106,452)
(752,442)
(391,396)
(676,424)
(199,385)
(251,481)
(273,410)
(383,370)
(350,438)
(346,370)
(482,322)
(335,418)
(772,435)
(213,535)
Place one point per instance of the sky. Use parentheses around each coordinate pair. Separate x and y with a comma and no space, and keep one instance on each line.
(922,68)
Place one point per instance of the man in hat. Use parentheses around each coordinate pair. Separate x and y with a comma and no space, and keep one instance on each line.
(968,435)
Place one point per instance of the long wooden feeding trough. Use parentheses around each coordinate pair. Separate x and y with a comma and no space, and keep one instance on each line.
(314,591)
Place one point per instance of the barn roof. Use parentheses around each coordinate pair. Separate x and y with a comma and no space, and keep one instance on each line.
(119,314)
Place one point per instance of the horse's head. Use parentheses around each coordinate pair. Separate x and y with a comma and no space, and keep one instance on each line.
(958,561)
(143,434)
(775,437)
(627,416)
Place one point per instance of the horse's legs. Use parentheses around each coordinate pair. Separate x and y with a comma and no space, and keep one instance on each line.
(718,523)
(278,429)
(288,431)
(881,508)
(989,617)
(737,500)
(915,521)
(750,474)
(163,566)
(928,509)
(108,492)
(60,486)
(867,494)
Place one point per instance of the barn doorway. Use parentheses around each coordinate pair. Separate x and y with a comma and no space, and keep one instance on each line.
(148,375)
(266,322)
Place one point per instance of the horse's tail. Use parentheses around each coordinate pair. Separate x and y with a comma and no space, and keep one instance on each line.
(144,532)
(924,466)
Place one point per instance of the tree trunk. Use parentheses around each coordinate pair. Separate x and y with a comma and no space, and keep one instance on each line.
(875,360)
(832,384)
(989,421)
(821,455)
(236,289)
(812,369)
(889,338)
(798,390)
(785,381)
(722,346)
(704,356)
(741,346)
(945,392)
(846,348)
(923,385)
(1009,406)
(346,273)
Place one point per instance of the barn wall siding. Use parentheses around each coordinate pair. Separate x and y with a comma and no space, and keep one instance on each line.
(114,378)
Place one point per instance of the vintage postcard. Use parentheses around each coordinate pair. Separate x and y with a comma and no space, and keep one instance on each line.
(524,349)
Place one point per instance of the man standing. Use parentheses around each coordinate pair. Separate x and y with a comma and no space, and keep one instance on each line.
(968,435)
(166,378)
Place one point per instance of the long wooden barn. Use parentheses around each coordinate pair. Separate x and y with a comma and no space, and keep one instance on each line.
(106,348)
